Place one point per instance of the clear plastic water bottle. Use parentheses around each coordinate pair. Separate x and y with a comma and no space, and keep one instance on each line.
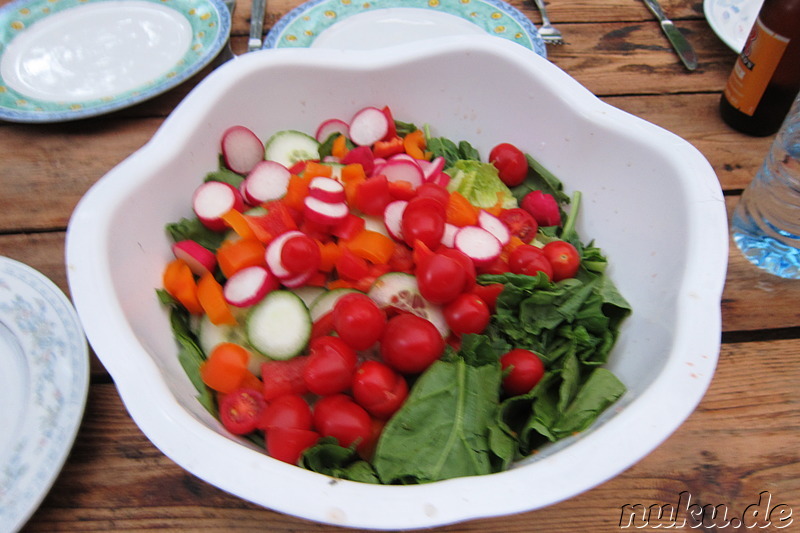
(766,222)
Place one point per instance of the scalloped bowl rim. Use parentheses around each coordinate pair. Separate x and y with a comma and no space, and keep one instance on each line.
(609,447)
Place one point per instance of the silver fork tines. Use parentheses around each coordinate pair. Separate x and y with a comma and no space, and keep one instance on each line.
(549,33)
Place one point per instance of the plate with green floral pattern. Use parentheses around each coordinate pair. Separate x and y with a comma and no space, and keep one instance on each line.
(356,24)
(63,60)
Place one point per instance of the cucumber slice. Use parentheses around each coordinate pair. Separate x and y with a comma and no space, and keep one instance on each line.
(289,146)
(400,290)
(325,302)
(279,326)
(209,335)
(308,294)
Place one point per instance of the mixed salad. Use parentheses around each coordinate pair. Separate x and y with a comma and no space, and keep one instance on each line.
(379,304)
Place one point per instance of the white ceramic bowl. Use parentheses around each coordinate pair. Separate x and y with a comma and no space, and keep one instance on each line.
(651,202)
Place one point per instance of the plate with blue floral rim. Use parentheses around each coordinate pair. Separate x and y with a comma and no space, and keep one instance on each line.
(357,24)
(43,388)
(732,20)
(63,60)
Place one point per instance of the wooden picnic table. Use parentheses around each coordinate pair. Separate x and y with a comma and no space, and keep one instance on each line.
(741,444)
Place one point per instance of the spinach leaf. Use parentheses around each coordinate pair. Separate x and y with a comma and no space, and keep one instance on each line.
(442,430)
(226,176)
(450,151)
(329,458)
(193,229)
(541,179)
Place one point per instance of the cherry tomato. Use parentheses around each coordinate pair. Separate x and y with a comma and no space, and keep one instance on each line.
(467,314)
(372,196)
(526,371)
(283,377)
(564,258)
(464,261)
(423,220)
(241,410)
(358,320)
(489,294)
(288,444)
(510,162)
(543,207)
(300,254)
(351,266)
(410,344)
(379,389)
(520,223)
(435,191)
(340,417)
(440,278)
(330,367)
(289,411)
(402,259)
(529,260)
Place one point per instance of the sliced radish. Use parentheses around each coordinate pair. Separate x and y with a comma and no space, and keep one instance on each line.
(241,149)
(362,155)
(432,169)
(368,126)
(495,226)
(326,213)
(449,235)
(329,127)
(249,286)
(199,258)
(297,280)
(266,182)
(326,189)
(477,244)
(273,254)
(393,219)
(403,170)
(213,199)
(442,179)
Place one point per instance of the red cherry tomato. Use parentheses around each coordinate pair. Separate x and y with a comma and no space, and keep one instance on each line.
(467,314)
(435,191)
(288,444)
(440,278)
(526,371)
(564,258)
(351,266)
(358,320)
(300,254)
(423,219)
(489,294)
(379,389)
(529,260)
(330,367)
(283,377)
(464,261)
(290,411)
(520,223)
(241,410)
(410,344)
(510,162)
(543,207)
(340,417)
(373,195)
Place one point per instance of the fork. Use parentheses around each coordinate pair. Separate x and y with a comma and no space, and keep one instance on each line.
(549,33)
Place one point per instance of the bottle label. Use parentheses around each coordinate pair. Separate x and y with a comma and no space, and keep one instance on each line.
(754,68)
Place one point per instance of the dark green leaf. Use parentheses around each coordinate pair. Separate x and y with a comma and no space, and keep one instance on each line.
(192,229)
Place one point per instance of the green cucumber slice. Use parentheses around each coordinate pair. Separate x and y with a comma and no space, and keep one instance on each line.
(279,326)
(289,147)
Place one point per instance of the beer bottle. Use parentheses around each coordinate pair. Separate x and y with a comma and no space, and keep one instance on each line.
(766,76)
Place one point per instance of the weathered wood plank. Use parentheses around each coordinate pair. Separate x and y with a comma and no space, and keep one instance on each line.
(733,447)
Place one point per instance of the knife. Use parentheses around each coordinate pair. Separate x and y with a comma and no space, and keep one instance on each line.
(256,24)
(685,51)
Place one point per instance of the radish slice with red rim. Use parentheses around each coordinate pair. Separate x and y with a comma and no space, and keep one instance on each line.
(200,259)
(241,149)
(449,235)
(273,254)
(267,181)
(249,286)
(477,244)
(326,213)
(432,169)
(326,189)
(368,126)
(403,170)
(393,219)
(213,199)
(362,155)
(495,226)
(329,127)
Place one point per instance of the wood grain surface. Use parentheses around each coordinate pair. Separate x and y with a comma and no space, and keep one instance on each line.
(740,444)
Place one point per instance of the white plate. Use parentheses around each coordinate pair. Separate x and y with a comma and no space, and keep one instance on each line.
(43,388)
(68,59)
(351,25)
(732,20)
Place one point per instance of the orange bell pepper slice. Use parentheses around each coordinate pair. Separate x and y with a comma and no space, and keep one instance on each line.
(296,192)
(329,254)
(339,147)
(314,170)
(233,256)
(212,299)
(414,145)
(179,282)
(460,211)
(226,367)
(375,247)
(353,172)
(238,223)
